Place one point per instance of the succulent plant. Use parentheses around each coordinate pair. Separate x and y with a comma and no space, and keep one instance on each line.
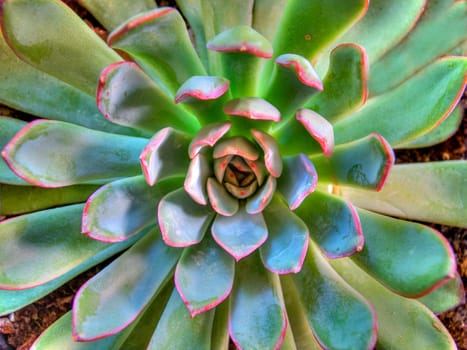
(241,172)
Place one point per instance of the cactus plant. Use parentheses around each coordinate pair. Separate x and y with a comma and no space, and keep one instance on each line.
(241,172)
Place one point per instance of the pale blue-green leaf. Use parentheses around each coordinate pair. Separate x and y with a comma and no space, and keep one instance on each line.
(408,258)
(415,326)
(196,179)
(177,330)
(446,297)
(220,199)
(55,154)
(333,224)
(8,128)
(57,41)
(204,276)
(121,209)
(183,222)
(285,249)
(257,317)
(272,156)
(431,192)
(131,282)
(257,202)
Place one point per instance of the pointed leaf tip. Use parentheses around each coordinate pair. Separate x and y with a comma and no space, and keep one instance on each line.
(302,68)
(319,128)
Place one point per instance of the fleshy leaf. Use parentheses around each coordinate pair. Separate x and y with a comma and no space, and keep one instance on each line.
(397,315)
(414,104)
(236,145)
(54,154)
(272,157)
(298,180)
(339,317)
(287,243)
(298,75)
(8,128)
(260,199)
(208,136)
(37,198)
(129,97)
(319,128)
(123,208)
(197,178)
(177,330)
(183,222)
(241,51)
(435,35)
(30,90)
(42,246)
(204,96)
(150,40)
(165,155)
(240,234)
(446,297)
(333,224)
(204,276)
(57,42)
(363,163)
(345,84)
(431,192)
(252,108)
(130,282)
(266,16)
(409,258)
(111,13)
(221,201)
(308,27)
(257,315)
(220,338)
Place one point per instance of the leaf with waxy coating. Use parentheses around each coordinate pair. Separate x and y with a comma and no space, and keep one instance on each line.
(257,317)
(195,182)
(142,272)
(150,38)
(220,199)
(55,154)
(333,224)
(319,129)
(445,297)
(8,128)
(204,276)
(121,209)
(207,136)
(272,156)
(57,42)
(408,258)
(127,96)
(183,222)
(287,243)
(240,234)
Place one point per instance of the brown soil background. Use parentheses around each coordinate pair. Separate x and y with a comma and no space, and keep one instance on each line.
(20,329)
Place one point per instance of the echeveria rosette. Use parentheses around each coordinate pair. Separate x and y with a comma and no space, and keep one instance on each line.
(245,179)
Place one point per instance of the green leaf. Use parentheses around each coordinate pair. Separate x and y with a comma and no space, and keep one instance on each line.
(287,243)
(54,154)
(415,326)
(183,222)
(129,97)
(8,128)
(239,234)
(431,192)
(364,163)
(30,90)
(131,282)
(204,276)
(176,330)
(121,209)
(59,336)
(57,41)
(307,27)
(42,246)
(339,317)
(419,104)
(446,297)
(345,83)
(257,317)
(333,224)
(16,200)
(150,40)
(220,339)
(266,16)
(440,133)
(408,258)
(433,37)
(111,13)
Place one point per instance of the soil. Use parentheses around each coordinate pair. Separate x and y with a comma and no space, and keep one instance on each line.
(20,329)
